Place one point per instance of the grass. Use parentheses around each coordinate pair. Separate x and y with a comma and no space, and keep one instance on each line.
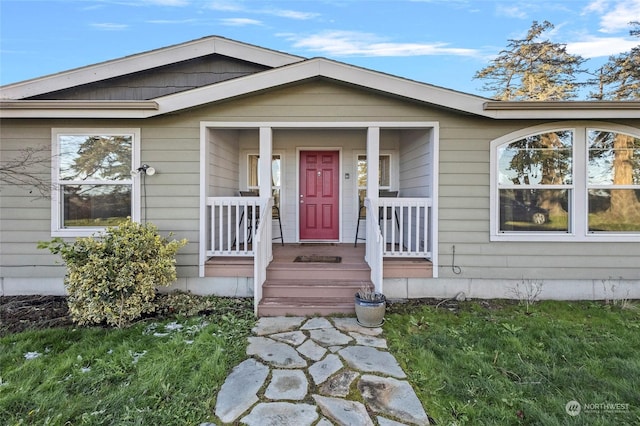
(164,372)
(475,363)
(493,363)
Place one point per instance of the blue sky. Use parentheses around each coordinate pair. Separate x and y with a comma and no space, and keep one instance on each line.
(441,42)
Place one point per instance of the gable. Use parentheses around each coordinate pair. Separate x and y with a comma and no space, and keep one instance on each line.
(160,81)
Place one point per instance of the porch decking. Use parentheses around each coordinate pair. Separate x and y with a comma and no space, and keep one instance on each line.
(298,288)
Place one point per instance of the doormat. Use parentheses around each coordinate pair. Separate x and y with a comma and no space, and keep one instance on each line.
(318,259)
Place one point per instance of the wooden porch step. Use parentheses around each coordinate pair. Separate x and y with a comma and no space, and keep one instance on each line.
(407,268)
(297,271)
(229,267)
(302,306)
(316,289)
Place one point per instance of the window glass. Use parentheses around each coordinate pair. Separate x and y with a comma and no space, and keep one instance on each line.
(95,205)
(94,180)
(535,176)
(276,176)
(384,175)
(613,181)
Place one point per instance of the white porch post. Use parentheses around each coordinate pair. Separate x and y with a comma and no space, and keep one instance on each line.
(266,151)
(373,250)
(373,158)
(265,162)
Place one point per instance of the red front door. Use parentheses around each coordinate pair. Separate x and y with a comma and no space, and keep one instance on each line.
(319,195)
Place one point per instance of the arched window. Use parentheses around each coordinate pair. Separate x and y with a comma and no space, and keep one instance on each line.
(575,182)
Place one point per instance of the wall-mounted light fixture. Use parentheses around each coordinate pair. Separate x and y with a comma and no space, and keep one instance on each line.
(144,169)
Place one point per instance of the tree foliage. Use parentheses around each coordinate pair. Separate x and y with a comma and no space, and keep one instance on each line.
(531,69)
(619,78)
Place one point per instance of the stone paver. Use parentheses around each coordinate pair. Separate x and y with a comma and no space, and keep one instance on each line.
(396,398)
(275,353)
(330,337)
(238,392)
(294,338)
(344,412)
(372,360)
(312,350)
(322,370)
(339,384)
(271,325)
(364,340)
(287,384)
(281,414)
(314,366)
(315,323)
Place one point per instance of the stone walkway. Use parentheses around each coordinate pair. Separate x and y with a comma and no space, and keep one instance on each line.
(318,371)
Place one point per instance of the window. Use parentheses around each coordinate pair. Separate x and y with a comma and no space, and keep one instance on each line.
(384,173)
(253,183)
(92,179)
(613,181)
(535,183)
(569,183)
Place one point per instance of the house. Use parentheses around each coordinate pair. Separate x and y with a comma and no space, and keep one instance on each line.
(261,156)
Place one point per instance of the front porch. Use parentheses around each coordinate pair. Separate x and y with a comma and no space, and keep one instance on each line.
(310,288)
(302,183)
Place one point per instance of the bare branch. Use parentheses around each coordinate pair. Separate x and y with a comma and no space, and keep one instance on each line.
(26,170)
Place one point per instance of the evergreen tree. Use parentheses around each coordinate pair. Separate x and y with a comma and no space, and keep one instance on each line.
(619,78)
(531,69)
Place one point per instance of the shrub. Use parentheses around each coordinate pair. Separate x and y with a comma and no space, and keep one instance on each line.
(113,277)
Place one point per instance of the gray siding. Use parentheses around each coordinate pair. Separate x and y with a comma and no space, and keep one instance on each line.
(172,145)
(161,81)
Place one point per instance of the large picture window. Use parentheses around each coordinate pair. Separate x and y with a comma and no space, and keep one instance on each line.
(92,179)
(573,183)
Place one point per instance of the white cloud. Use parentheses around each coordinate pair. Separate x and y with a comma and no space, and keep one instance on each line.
(593,47)
(511,11)
(239,22)
(172,22)
(109,26)
(351,43)
(615,15)
(230,6)
(225,6)
(291,14)
(167,2)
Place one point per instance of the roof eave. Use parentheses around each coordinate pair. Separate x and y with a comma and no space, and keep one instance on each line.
(562,109)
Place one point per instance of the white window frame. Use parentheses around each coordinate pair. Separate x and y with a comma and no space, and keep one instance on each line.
(57,229)
(578,217)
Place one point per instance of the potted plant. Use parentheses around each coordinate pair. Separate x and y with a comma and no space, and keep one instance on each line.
(370,307)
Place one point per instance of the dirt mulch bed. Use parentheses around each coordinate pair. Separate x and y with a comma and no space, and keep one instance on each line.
(20,313)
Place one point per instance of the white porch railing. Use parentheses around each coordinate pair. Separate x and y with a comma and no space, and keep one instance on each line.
(375,245)
(404,224)
(263,253)
(232,225)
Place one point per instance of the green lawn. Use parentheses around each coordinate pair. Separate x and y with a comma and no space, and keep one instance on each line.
(475,363)
(493,363)
(157,372)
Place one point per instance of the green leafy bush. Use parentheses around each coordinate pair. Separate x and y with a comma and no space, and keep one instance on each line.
(113,277)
